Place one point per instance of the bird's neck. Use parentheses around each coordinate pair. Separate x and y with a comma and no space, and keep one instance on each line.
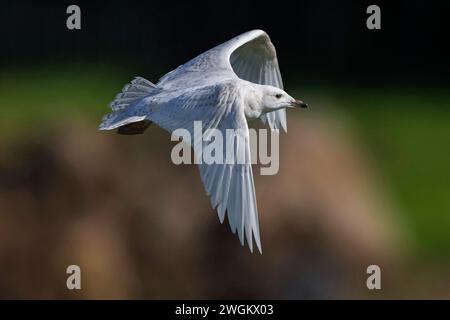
(253,100)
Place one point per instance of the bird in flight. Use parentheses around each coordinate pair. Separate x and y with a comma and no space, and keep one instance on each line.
(223,88)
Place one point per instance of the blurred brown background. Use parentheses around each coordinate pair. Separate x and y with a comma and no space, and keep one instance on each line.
(139,226)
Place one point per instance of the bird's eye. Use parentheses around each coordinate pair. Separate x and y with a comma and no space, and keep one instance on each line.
(278,96)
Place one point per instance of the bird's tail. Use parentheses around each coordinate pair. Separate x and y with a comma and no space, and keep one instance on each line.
(131,94)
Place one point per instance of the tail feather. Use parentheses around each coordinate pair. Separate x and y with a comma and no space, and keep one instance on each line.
(136,89)
(131,93)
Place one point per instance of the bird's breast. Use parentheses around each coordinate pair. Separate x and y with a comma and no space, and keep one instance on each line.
(252,111)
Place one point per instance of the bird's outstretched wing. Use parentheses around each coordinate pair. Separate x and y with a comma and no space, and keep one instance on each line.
(251,56)
(229,184)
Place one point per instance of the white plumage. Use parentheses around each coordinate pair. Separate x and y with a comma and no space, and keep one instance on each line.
(224,87)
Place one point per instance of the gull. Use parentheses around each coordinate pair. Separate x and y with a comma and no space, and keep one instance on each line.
(224,88)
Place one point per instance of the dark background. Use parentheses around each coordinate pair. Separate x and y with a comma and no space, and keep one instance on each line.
(326,40)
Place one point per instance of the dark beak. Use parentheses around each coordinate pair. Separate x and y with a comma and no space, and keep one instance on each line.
(299,104)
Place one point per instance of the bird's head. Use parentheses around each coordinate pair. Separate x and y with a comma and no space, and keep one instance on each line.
(275,98)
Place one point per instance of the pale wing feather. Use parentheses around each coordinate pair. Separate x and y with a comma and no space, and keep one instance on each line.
(256,61)
(229,186)
(250,56)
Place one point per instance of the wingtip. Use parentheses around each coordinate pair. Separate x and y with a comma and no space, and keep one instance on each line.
(259,248)
(250,246)
(261,31)
(258,242)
